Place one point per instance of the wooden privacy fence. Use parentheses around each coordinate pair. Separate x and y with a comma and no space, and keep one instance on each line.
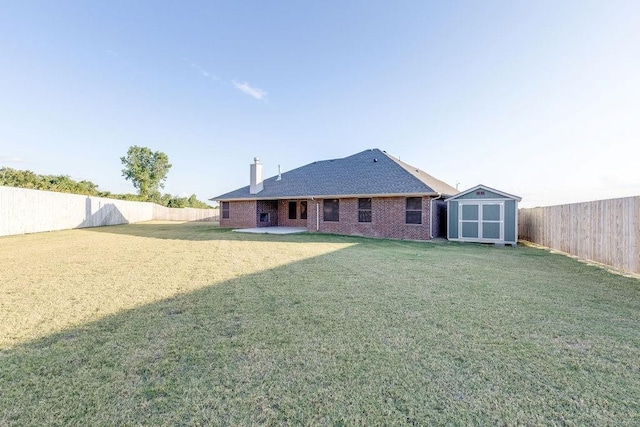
(606,231)
(163,213)
(32,211)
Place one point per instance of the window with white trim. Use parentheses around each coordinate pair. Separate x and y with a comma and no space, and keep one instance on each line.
(413,211)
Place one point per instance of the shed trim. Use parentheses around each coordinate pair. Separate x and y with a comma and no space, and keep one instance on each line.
(486,187)
(480,220)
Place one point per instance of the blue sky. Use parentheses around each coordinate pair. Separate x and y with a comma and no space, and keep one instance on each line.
(536,98)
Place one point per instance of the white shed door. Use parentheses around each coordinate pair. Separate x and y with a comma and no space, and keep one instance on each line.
(481,220)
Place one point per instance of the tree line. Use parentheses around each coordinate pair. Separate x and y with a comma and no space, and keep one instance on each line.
(146,169)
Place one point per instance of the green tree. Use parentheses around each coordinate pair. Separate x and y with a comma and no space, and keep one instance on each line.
(164,200)
(146,169)
(18,178)
(178,202)
(64,184)
(59,183)
(195,203)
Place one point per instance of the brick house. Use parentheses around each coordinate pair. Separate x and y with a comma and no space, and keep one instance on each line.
(367,194)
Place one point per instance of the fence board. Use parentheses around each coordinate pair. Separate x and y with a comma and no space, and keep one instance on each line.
(31,211)
(605,231)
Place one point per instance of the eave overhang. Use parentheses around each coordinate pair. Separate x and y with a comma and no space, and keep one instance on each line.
(332,196)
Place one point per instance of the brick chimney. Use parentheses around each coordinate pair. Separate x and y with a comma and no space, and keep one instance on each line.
(255,185)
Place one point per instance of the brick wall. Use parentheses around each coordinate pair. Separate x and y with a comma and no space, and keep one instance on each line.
(242,214)
(312,207)
(283,214)
(387,219)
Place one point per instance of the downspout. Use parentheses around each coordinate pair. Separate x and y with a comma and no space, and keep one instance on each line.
(431,214)
(317,213)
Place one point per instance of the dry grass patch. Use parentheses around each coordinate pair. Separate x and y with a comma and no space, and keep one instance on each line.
(53,281)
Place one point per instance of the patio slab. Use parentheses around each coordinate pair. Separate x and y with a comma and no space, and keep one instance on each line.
(272,230)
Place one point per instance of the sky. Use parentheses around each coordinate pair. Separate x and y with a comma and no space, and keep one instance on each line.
(540,99)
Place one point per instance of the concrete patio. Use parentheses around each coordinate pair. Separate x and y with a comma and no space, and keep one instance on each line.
(272,230)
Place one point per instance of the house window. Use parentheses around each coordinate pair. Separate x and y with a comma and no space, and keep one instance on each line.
(364,210)
(331,209)
(293,211)
(414,210)
(264,217)
(303,209)
(225,210)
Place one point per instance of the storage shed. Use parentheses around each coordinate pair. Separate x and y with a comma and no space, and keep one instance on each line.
(483,214)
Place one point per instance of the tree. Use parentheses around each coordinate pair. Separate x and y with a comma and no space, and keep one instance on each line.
(59,183)
(18,178)
(195,203)
(64,184)
(146,170)
(178,202)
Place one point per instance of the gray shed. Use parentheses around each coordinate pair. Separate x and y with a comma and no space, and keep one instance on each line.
(483,214)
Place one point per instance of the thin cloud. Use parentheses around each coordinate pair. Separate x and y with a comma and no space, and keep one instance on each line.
(251,91)
(10,159)
(202,71)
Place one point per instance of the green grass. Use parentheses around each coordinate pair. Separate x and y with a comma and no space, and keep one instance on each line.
(189,324)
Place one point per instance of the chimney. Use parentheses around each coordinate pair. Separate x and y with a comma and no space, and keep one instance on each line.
(255,185)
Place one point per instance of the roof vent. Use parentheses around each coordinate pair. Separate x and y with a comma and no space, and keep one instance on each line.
(279,174)
(375,160)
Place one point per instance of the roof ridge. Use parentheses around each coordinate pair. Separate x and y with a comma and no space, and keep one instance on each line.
(431,181)
(370,171)
(339,158)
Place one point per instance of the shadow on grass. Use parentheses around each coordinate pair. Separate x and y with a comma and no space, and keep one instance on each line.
(362,335)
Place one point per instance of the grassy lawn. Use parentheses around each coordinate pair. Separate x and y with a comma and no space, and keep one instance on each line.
(190,324)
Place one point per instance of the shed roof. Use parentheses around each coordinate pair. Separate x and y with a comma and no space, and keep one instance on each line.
(484,187)
(371,172)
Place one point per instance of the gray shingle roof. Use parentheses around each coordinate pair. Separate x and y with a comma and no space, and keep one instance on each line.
(370,172)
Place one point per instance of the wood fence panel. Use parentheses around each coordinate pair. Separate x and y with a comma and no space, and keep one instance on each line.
(185,214)
(32,211)
(605,231)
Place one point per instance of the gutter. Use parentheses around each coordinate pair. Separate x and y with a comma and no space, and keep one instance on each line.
(329,196)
